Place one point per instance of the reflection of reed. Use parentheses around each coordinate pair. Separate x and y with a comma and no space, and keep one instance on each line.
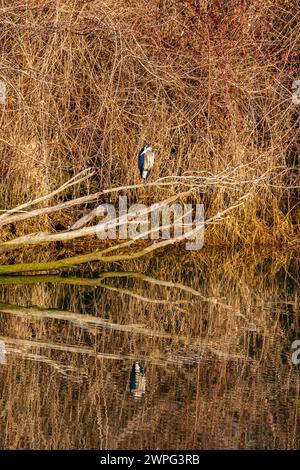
(70,372)
(159,358)
(98,282)
(220,377)
(28,344)
(77,318)
(198,349)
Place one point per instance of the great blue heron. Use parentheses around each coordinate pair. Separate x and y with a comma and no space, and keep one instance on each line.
(296,92)
(146,161)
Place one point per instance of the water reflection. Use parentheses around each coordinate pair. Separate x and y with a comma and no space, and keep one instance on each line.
(137,380)
(193,353)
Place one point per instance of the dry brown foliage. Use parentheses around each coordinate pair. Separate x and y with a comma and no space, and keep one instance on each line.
(208,84)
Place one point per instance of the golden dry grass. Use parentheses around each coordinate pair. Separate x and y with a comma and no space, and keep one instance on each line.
(208,84)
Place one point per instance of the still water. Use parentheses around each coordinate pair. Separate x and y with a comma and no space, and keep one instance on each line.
(180,351)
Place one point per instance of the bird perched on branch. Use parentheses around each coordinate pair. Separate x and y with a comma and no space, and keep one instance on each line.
(296,92)
(146,161)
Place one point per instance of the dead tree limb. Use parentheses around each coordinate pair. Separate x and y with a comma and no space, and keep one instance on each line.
(106,258)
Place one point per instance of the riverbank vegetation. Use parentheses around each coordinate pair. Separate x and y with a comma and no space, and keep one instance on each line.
(207,83)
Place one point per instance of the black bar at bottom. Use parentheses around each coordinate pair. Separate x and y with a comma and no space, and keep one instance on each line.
(135,459)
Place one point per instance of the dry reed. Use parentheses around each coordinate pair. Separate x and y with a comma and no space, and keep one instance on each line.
(208,84)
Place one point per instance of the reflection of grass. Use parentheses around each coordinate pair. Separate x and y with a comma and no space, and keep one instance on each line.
(21,348)
(78,319)
(91,322)
(98,282)
(220,376)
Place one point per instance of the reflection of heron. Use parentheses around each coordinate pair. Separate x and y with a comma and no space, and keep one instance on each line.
(2,352)
(137,380)
(146,161)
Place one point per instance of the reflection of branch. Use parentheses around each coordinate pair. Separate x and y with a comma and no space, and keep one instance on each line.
(144,299)
(196,349)
(28,344)
(162,359)
(159,282)
(97,282)
(67,371)
(79,319)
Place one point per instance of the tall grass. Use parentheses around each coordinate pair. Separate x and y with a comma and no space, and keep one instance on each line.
(207,83)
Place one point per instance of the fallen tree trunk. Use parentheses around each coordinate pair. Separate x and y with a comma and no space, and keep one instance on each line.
(44,237)
(105,256)
(120,251)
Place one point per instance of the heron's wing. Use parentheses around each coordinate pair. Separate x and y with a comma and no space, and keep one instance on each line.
(141,163)
(148,160)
